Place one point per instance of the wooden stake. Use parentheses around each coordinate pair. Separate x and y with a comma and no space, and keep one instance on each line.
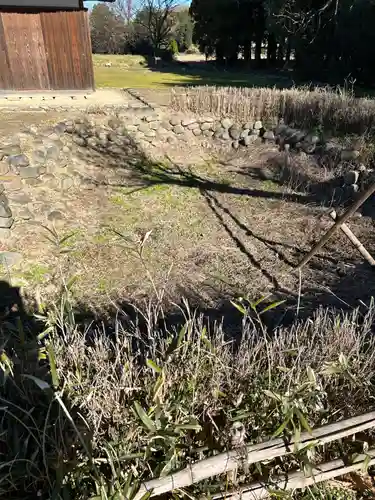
(354,240)
(358,203)
(273,448)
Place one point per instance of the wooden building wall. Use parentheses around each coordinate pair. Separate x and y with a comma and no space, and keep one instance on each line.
(48,50)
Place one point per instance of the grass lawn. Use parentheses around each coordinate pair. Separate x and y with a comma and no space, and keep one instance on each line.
(132,71)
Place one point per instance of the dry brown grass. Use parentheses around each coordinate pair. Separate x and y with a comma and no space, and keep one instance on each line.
(335,111)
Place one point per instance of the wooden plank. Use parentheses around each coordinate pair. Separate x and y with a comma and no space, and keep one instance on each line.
(69,68)
(296,480)
(27,58)
(52,27)
(6,81)
(268,450)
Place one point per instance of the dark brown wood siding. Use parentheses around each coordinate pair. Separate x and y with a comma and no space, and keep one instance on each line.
(45,51)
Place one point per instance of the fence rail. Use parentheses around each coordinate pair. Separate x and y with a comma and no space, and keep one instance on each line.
(267,450)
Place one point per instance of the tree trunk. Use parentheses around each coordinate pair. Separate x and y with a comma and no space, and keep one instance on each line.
(280,51)
(271,49)
(258,50)
(288,50)
(247,53)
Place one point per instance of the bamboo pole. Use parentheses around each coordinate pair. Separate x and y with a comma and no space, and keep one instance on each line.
(296,480)
(224,462)
(344,217)
(354,240)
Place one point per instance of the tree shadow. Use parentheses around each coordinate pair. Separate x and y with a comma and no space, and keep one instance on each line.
(209,73)
(137,171)
(38,443)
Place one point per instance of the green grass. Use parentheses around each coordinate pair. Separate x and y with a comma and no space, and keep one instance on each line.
(131,71)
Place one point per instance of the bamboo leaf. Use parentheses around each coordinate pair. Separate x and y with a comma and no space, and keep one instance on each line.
(151,364)
(239,307)
(280,429)
(52,364)
(272,306)
(303,420)
(40,383)
(148,423)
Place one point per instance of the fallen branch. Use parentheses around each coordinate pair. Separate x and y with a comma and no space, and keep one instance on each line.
(355,241)
(267,450)
(295,480)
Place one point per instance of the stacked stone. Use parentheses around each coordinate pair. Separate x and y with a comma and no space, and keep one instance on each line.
(357,179)
(6,218)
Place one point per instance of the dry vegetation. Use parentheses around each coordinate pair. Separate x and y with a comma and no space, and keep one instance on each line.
(135,399)
(92,405)
(333,111)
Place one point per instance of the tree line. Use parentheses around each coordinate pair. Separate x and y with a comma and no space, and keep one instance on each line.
(330,40)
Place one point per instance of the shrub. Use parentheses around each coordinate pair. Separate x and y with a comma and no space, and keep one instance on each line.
(173,47)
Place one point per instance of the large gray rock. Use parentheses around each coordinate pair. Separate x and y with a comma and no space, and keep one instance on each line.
(9,259)
(312,139)
(30,172)
(114,122)
(39,155)
(235,132)
(52,151)
(80,141)
(226,123)
(149,133)
(165,124)
(351,177)
(6,222)
(219,132)
(5,211)
(10,149)
(18,161)
(151,118)
(349,154)
(188,121)
(175,121)
(269,135)
(208,133)
(20,199)
(249,139)
(248,125)
(144,127)
(155,125)
(178,129)
(225,135)
(193,126)
(197,131)
(4,167)
(206,126)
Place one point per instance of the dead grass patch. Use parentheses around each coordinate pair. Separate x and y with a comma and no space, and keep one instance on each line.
(333,111)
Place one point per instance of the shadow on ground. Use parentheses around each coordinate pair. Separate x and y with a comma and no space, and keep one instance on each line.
(208,73)
(330,279)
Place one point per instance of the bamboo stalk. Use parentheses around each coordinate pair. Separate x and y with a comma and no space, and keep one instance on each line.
(296,480)
(344,217)
(266,450)
(354,240)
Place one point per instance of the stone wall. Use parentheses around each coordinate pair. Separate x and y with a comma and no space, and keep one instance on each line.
(48,156)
